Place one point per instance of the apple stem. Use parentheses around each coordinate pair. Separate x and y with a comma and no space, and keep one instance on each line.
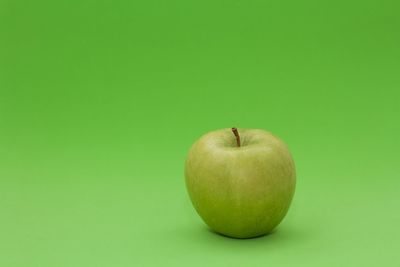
(236,133)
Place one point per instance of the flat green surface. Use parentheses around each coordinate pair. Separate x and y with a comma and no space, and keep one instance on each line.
(101,100)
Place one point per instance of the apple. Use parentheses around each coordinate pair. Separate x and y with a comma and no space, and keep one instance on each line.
(241,181)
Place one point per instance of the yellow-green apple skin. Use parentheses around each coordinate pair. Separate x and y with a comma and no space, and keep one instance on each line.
(244,191)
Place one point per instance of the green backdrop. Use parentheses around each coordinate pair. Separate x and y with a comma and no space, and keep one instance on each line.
(101,100)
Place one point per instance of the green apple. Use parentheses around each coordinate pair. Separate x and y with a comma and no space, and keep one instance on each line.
(240,181)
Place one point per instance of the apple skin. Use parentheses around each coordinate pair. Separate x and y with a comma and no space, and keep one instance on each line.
(240,192)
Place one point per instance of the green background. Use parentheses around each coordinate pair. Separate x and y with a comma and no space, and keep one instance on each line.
(101,100)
